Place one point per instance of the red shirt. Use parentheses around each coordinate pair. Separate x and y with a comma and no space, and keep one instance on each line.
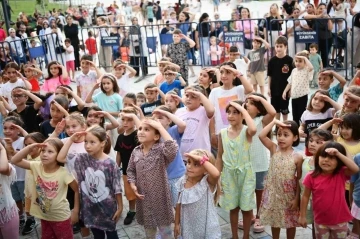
(34,84)
(2,34)
(91,46)
(328,197)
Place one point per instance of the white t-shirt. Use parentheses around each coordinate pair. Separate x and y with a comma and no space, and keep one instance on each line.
(220,99)
(241,65)
(75,148)
(17,146)
(70,56)
(6,89)
(124,84)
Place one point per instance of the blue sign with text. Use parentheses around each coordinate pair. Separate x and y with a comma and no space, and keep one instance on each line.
(306,37)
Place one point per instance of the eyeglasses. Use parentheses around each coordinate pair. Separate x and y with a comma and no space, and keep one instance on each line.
(169,74)
(17,96)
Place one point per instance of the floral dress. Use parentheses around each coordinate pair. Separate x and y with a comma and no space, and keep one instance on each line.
(280,190)
(198,216)
(178,54)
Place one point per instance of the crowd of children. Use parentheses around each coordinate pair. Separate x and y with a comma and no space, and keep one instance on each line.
(180,150)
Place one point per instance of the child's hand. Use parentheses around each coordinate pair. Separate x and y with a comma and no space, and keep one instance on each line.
(100,114)
(254,98)
(20,91)
(172,72)
(57,105)
(302,133)
(60,126)
(96,86)
(332,151)
(78,136)
(137,108)
(139,196)
(127,115)
(328,72)
(67,90)
(159,111)
(294,205)
(281,124)
(74,217)
(194,93)
(153,123)
(302,222)
(182,36)
(337,120)
(176,98)
(237,106)
(91,63)
(176,230)
(351,95)
(193,156)
(324,97)
(117,215)
(229,68)
(20,75)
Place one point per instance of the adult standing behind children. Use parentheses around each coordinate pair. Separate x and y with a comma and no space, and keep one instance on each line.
(279,70)
(71,31)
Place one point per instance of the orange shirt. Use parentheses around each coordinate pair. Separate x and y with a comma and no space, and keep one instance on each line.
(91,46)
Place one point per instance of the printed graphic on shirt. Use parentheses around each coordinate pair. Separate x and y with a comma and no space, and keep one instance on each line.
(94,185)
(256,56)
(223,102)
(191,127)
(285,69)
(46,192)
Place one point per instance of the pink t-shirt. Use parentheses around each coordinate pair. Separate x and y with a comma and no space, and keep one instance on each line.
(51,84)
(328,197)
(159,78)
(196,135)
(246,25)
(215,53)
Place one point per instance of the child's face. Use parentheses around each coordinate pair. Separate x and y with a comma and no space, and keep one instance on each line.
(119,71)
(107,85)
(18,97)
(85,66)
(93,145)
(92,118)
(48,154)
(12,74)
(147,134)
(346,133)
(35,151)
(62,92)
(204,79)
(194,169)
(55,113)
(213,42)
(169,76)
(127,123)
(150,95)
(227,77)
(256,44)
(67,44)
(170,102)
(313,50)
(299,63)
(173,16)
(285,138)
(128,102)
(73,126)
(10,131)
(54,70)
(33,44)
(140,101)
(28,72)
(233,56)
(251,108)
(280,49)
(233,116)
(161,68)
(192,102)
(350,106)
(176,38)
(325,81)
(328,164)
(315,142)
(165,121)
(317,102)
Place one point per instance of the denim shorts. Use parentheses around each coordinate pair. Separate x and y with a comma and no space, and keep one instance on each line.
(260,178)
(17,191)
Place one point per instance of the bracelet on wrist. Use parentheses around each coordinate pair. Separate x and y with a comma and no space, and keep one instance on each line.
(203,160)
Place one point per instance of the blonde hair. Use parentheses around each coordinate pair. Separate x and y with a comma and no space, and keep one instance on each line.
(77,117)
(210,156)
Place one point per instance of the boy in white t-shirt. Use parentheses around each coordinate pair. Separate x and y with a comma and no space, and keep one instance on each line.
(70,58)
(241,62)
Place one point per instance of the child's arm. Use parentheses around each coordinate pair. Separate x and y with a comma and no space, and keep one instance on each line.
(64,74)
(351,167)
(75,211)
(26,82)
(19,159)
(209,108)
(188,39)
(177,220)
(78,100)
(59,128)
(176,120)
(302,130)
(287,88)
(212,171)
(131,70)
(246,83)
(6,104)
(298,162)
(334,104)
(118,159)
(337,76)
(251,129)
(133,117)
(61,157)
(62,110)
(266,44)
(89,96)
(219,163)
(269,84)
(5,169)
(157,125)
(307,62)
(303,206)
(37,101)
(37,70)
(271,112)
(93,66)
(69,49)
(159,91)
(113,122)
(119,209)
(168,63)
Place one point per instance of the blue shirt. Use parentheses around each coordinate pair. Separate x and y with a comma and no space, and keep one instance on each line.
(108,103)
(176,168)
(166,87)
(356,180)
(335,91)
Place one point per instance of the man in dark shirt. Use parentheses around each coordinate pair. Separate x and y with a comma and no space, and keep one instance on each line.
(289,6)
(71,31)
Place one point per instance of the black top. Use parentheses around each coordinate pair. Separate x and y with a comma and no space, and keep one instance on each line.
(320,26)
(289,8)
(205,29)
(28,116)
(275,25)
(72,32)
(125,144)
(357,20)
(164,30)
(279,69)
(148,108)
